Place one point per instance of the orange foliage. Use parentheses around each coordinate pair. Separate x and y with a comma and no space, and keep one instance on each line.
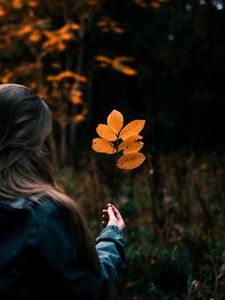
(105,132)
(9,75)
(56,40)
(117,64)
(17,4)
(27,26)
(128,141)
(25,29)
(110,140)
(2,12)
(103,146)
(67,74)
(130,161)
(115,121)
(35,37)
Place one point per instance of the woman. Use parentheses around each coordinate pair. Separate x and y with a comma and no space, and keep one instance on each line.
(46,251)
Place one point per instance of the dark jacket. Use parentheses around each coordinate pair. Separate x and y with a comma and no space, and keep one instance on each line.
(37,255)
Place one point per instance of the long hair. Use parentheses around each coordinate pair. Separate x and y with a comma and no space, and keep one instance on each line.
(26,165)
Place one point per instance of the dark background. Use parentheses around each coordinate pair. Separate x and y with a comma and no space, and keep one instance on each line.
(158,60)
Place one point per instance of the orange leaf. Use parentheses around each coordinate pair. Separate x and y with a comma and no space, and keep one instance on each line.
(133,147)
(105,132)
(130,161)
(128,141)
(115,121)
(103,146)
(132,128)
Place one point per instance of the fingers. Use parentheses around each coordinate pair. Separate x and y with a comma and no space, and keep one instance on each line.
(114,209)
(112,216)
(111,212)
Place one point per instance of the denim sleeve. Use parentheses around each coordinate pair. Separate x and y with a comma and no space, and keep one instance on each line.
(110,248)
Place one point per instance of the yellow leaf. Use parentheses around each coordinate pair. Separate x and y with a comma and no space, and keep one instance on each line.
(105,132)
(133,147)
(130,161)
(132,128)
(103,146)
(128,141)
(115,121)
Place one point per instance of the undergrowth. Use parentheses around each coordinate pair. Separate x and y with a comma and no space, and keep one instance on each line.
(175,241)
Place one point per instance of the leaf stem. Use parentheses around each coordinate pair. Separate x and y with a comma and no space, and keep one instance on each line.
(114,191)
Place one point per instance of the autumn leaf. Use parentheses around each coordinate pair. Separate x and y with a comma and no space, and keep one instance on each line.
(105,132)
(130,161)
(133,147)
(110,140)
(103,146)
(128,141)
(132,128)
(115,121)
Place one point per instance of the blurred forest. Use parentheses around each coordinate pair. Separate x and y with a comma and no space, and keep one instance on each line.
(158,60)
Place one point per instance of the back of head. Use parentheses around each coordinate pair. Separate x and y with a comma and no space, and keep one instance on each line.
(25,123)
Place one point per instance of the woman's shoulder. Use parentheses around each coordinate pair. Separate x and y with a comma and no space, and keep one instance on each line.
(37,207)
